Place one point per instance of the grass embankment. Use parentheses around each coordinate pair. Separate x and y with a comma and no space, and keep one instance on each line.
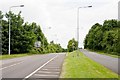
(104,53)
(112,55)
(14,56)
(82,67)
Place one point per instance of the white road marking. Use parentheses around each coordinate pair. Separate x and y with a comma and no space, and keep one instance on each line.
(45,69)
(47,72)
(14,64)
(39,68)
(50,69)
(44,75)
(53,68)
(10,66)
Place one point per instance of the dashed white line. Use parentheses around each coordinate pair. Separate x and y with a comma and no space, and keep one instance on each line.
(10,66)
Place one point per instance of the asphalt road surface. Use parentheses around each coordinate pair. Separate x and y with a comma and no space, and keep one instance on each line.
(37,66)
(107,61)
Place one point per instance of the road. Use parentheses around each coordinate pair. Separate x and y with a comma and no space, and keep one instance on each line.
(107,61)
(37,66)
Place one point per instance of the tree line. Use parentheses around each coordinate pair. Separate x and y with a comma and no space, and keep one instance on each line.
(104,37)
(23,36)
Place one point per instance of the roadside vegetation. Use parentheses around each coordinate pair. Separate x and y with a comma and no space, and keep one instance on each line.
(105,38)
(14,56)
(72,45)
(23,36)
(105,53)
(80,66)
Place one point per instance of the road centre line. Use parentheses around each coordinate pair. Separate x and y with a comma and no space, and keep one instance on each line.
(40,67)
(10,66)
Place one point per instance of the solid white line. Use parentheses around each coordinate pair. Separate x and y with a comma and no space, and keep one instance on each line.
(39,68)
(10,65)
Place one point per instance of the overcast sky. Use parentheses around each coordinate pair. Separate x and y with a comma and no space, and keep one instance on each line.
(61,16)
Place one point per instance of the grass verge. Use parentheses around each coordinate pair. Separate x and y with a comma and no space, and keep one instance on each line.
(2,57)
(82,67)
(103,53)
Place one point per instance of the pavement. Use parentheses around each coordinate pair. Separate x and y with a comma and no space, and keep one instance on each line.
(107,61)
(37,66)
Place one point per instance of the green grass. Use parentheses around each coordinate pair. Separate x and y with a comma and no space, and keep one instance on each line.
(103,53)
(112,55)
(14,56)
(82,67)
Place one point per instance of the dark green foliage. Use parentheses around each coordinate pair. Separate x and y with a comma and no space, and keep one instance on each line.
(1,16)
(64,50)
(23,36)
(54,48)
(104,37)
(72,45)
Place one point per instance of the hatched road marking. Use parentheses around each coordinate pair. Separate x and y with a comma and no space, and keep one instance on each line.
(40,67)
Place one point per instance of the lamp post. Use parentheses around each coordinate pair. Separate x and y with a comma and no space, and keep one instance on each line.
(10,23)
(78,23)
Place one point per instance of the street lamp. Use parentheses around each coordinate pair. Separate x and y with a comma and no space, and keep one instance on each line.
(10,23)
(78,23)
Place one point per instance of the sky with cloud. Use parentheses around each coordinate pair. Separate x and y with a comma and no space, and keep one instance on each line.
(61,16)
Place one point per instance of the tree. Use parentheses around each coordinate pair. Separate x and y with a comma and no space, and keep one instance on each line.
(104,37)
(1,17)
(5,36)
(40,36)
(72,45)
(93,39)
(23,35)
(54,48)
